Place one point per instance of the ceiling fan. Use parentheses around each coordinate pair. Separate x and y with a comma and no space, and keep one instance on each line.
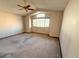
(25,7)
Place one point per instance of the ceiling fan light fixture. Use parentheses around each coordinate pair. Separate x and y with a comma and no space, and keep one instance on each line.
(25,7)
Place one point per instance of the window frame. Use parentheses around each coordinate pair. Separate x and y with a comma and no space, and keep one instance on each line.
(35,17)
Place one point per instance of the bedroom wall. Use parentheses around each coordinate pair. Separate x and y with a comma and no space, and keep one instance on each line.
(69,37)
(10,24)
(27,23)
(40,30)
(55,24)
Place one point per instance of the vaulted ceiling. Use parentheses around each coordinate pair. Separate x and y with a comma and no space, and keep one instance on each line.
(11,5)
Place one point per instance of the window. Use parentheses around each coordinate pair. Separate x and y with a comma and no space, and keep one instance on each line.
(41,20)
(40,15)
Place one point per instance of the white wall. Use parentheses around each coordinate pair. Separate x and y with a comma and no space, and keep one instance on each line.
(40,30)
(10,24)
(69,37)
(55,23)
(27,23)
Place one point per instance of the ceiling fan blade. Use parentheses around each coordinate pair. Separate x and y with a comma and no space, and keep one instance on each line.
(30,9)
(27,6)
(20,6)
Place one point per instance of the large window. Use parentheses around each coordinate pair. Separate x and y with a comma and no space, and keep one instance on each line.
(41,20)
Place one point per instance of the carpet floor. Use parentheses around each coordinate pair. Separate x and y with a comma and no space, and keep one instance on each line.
(29,46)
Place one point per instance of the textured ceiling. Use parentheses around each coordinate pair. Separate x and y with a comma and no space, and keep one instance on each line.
(50,4)
(11,5)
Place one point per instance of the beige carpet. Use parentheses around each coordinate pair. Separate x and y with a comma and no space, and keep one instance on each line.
(29,46)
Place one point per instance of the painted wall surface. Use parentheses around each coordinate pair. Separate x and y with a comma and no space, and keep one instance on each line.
(43,30)
(55,23)
(69,37)
(10,24)
(27,23)
(54,27)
